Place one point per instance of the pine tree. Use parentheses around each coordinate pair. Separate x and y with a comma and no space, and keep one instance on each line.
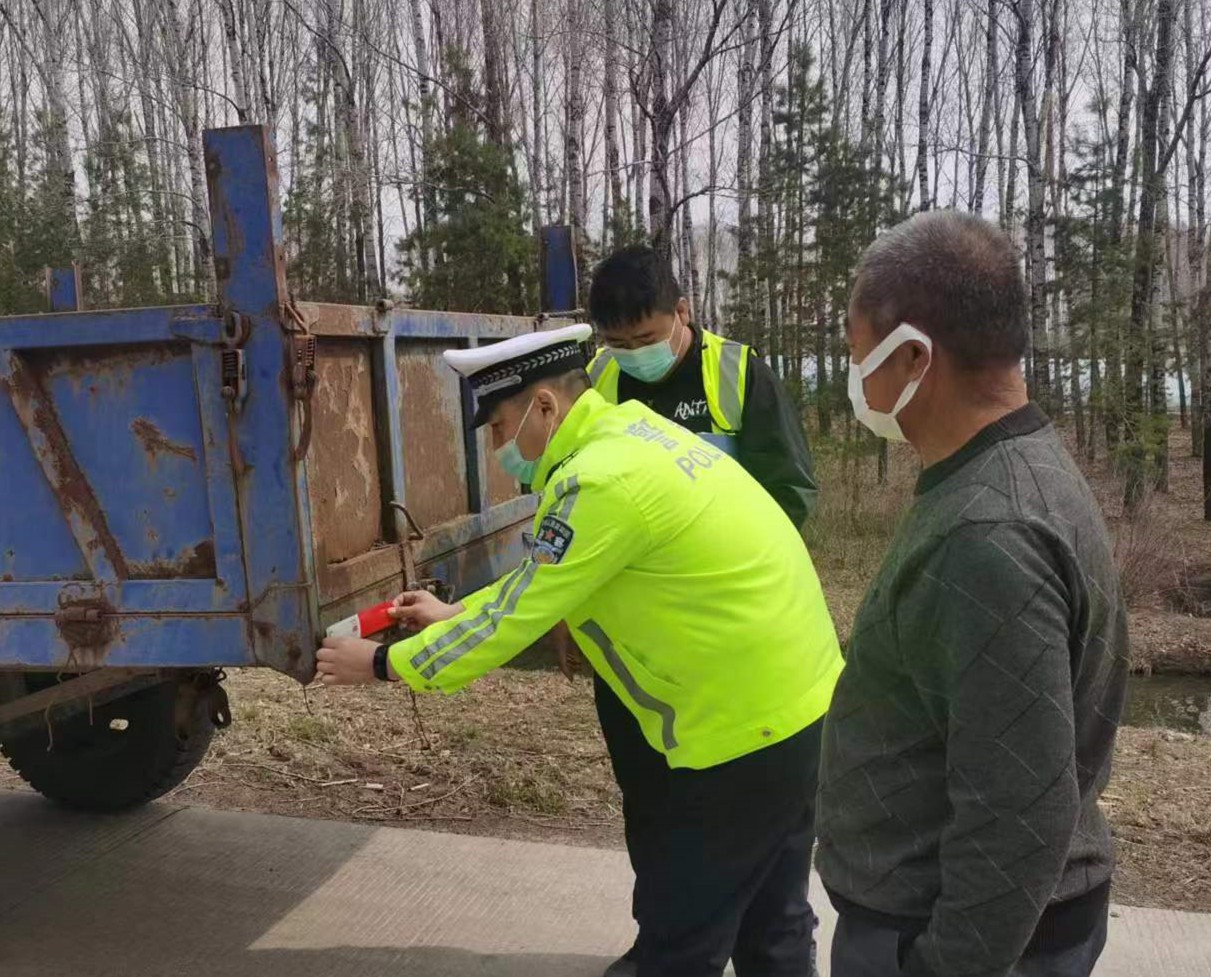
(485,260)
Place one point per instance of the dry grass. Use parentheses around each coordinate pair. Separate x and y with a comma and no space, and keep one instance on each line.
(1157,802)
(855,521)
(518,754)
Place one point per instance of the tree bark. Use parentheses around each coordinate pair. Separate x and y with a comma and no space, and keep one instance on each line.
(427,191)
(572,137)
(236,58)
(744,180)
(1040,355)
(923,104)
(991,69)
(765,196)
(618,207)
(181,32)
(496,85)
(1196,230)
(1144,443)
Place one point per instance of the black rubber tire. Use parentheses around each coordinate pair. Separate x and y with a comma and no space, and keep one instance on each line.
(127,753)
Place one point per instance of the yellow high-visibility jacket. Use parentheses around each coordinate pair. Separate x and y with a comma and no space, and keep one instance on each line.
(683,583)
(724,375)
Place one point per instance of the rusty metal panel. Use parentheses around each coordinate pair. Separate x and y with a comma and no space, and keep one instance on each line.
(431,416)
(343,470)
(328,319)
(501,486)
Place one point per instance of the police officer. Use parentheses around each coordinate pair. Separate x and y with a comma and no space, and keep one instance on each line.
(695,601)
(716,387)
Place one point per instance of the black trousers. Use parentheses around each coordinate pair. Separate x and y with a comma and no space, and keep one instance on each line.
(721,856)
(863,948)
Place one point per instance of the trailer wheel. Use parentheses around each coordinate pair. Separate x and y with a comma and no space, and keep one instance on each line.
(126,752)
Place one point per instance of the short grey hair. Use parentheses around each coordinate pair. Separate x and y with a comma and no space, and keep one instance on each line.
(955,277)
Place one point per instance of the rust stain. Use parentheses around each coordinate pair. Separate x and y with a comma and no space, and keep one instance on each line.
(7,578)
(155,442)
(105,369)
(88,626)
(336,320)
(265,630)
(343,469)
(71,488)
(196,563)
(435,466)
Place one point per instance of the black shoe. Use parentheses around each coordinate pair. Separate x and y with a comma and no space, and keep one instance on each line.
(625,966)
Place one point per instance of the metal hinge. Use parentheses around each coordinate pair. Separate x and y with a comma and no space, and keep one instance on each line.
(235,379)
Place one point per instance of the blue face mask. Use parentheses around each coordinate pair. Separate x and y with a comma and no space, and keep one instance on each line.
(649,364)
(511,458)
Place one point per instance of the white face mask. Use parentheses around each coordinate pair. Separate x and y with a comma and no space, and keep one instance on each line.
(885,425)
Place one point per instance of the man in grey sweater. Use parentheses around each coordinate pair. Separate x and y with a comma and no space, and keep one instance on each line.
(972,730)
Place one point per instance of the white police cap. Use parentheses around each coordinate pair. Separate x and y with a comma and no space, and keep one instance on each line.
(498,370)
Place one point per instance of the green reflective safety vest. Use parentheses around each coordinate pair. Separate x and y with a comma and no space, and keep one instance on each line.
(683,583)
(724,372)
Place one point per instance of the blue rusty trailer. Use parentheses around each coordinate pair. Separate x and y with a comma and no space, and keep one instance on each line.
(190,488)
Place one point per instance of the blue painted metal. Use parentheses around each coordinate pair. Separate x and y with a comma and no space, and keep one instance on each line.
(162,641)
(63,289)
(142,522)
(557,269)
(241,175)
(162,324)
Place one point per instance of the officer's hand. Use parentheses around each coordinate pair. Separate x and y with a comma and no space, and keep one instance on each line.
(417,609)
(345,661)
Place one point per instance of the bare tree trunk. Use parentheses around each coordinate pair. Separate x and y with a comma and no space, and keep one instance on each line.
(868,48)
(744,180)
(145,29)
(903,189)
(538,119)
(1054,116)
(182,32)
(712,236)
(1008,214)
(765,201)
(1143,285)
(690,279)
(660,196)
(496,105)
(1114,401)
(236,58)
(1040,355)
(991,70)
(360,176)
(572,144)
(923,104)
(423,73)
(1196,229)
(617,203)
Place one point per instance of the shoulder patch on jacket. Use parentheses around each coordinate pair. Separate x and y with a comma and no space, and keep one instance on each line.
(552,540)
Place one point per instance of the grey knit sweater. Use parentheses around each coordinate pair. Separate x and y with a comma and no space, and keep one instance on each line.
(972,729)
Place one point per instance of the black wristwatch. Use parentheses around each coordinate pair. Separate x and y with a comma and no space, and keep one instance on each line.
(380,663)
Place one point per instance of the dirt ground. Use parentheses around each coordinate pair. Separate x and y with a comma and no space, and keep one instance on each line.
(519,754)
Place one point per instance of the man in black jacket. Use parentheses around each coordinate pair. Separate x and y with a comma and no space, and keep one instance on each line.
(723,391)
(973,727)
(715,387)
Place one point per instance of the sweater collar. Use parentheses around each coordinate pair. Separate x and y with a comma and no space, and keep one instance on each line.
(1019,423)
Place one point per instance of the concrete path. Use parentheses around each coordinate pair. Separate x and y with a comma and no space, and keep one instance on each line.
(171,891)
